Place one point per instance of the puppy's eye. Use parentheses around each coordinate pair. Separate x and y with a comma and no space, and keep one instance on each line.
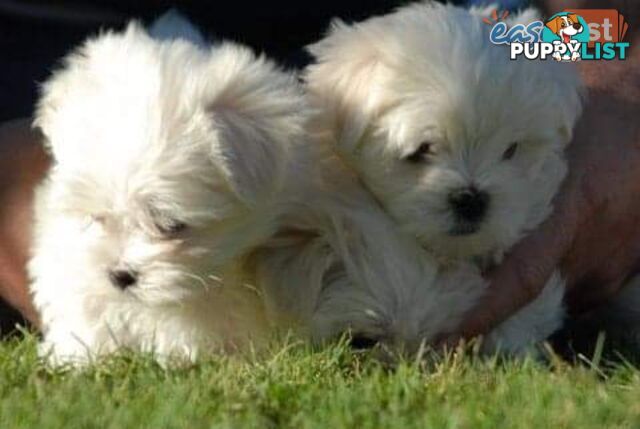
(171,227)
(419,155)
(510,152)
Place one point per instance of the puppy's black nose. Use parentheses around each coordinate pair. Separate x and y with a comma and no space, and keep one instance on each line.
(577,26)
(122,279)
(469,204)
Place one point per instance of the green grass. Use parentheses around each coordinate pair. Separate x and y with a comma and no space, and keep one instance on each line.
(296,387)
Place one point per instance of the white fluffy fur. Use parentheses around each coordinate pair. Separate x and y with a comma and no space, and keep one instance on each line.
(147,133)
(428,72)
(339,264)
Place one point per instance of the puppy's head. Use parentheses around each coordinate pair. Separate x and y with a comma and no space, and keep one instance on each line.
(167,158)
(461,145)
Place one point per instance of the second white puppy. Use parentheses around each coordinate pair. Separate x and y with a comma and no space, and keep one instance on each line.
(168,159)
(461,146)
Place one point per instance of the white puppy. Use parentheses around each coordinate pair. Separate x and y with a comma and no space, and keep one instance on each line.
(168,159)
(461,146)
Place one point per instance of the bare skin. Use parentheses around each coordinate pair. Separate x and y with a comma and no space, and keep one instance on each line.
(23,163)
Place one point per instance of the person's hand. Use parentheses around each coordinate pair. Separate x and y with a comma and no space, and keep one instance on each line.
(593,236)
(23,164)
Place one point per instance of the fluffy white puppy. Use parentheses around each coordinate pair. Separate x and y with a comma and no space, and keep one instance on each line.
(168,159)
(461,146)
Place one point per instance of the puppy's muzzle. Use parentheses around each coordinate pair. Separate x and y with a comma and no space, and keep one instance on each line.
(469,204)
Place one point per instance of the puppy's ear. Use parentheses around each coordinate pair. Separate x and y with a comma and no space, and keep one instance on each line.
(258,114)
(563,78)
(554,25)
(343,81)
(568,92)
(68,98)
